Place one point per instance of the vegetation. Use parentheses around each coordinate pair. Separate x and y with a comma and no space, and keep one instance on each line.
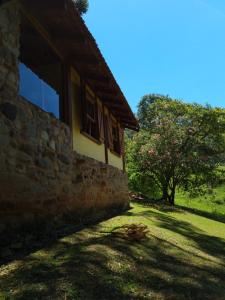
(182,258)
(179,145)
(81,6)
(209,205)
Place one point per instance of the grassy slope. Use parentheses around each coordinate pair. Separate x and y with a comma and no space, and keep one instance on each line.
(183,258)
(209,205)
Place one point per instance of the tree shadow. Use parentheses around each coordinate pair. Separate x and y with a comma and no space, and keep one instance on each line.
(211,245)
(209,215)
(164,207)
(159,205)
(90,265)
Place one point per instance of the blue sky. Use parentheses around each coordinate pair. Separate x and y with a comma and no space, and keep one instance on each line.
(171,47)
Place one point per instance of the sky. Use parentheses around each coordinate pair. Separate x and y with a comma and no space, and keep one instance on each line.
(170,47)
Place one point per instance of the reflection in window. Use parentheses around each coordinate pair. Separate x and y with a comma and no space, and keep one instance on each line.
(38,91)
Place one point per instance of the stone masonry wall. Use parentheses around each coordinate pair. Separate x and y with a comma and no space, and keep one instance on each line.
(40,175)
(9,50)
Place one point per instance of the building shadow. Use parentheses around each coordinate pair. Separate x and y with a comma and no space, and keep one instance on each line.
(17,243)
(95,265)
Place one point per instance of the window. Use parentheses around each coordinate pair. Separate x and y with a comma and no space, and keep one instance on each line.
(40,69)
(115,138)
(114,135)
(90,116)
(99,125)
(37,91)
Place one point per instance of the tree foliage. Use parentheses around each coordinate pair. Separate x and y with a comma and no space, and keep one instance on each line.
(81,6)
(179,145)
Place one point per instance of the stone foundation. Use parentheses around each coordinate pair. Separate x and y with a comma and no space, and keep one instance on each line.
(40,175)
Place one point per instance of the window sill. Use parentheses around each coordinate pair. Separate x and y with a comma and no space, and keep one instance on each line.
(116,153)
(90,137)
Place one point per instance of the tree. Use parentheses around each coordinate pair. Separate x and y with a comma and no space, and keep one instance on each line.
(81,6)
(143,107)
(139,182)
(179,145)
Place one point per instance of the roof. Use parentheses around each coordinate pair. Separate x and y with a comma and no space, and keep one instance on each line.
(69,34)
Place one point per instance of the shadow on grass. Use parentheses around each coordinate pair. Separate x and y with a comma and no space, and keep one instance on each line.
(91,265)
(94,264)
(157,204)
(211,245)
(31,237)
(213,215)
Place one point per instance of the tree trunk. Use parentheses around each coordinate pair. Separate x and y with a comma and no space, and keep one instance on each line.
(172,196)
(165,194)
(171,200)
(168,194)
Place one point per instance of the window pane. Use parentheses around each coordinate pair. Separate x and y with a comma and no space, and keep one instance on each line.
(51,100)
(91,110)
(30,86)
(37,91)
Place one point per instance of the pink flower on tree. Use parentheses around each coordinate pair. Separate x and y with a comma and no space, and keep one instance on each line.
(151,152)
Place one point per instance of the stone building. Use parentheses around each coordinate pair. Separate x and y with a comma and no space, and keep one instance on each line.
(62,117)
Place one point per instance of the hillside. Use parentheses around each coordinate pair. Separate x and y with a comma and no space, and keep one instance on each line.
(183,258)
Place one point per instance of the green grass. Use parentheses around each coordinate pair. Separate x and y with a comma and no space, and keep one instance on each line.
(182,258)
(209,205)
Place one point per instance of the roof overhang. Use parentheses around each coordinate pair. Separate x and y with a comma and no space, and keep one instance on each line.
(67,31)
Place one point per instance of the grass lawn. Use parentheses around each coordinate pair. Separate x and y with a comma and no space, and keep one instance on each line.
(209,205)
(183,258)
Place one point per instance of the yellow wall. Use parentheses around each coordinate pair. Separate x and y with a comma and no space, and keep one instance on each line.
(115,160)
(81,143)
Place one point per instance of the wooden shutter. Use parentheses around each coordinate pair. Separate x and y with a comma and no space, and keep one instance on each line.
(121,139)
(109,132)
(100,122)
(83,107)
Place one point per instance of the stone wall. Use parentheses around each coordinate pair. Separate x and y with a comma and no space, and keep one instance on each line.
(40,175)
(9,50)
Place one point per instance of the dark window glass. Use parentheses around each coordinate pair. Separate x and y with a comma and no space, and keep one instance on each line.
(38,91)
(91,110)
(116,140)
(90,116)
